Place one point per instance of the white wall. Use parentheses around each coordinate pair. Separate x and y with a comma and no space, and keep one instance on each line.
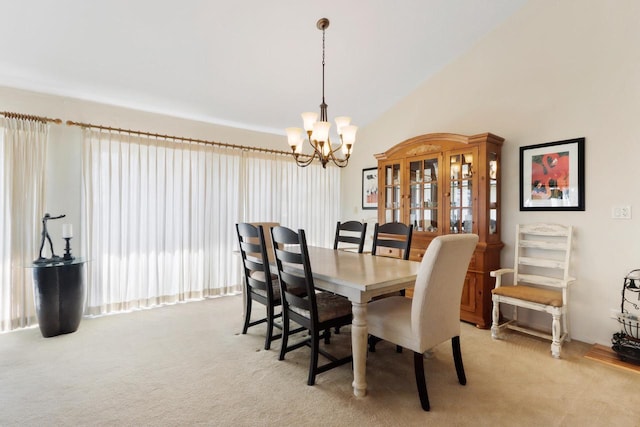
(555,70)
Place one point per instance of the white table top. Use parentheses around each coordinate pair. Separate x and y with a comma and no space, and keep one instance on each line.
(359,277)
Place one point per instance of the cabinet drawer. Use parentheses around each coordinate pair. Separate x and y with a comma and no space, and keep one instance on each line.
(388,252)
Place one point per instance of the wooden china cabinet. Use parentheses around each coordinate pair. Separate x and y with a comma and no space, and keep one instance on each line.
(445,183)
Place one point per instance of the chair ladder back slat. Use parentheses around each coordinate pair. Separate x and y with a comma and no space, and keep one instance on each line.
(349,239)
(546,245)
(542,262)
(252,265)
(539,229)
(540,280)
(257,284)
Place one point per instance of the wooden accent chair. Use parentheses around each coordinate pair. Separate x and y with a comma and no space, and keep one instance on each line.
(350,232)
(540,281)
(433,315)
(316,311)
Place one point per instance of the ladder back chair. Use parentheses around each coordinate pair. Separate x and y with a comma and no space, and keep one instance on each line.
(540,281)
(392,239)
(313,310)
(260,284)
(433,315)
(352,233)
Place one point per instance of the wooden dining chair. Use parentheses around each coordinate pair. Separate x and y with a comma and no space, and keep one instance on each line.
(392,239)
(432,316)
(316,311)
(260,284)
(351,233)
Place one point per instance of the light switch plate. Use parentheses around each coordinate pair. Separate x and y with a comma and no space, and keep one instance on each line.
(621,212)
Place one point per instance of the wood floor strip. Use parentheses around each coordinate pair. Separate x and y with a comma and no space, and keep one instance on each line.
(607,356)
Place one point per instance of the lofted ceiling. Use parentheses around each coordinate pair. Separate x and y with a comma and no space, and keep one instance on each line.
(252,64)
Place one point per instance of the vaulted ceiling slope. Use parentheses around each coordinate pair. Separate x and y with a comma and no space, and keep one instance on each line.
(252,64)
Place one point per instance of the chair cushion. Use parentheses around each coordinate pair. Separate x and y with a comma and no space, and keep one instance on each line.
(390,319)
(531,293)
(330,306)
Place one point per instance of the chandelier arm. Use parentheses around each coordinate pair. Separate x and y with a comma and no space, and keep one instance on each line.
(340,162)
(304,163)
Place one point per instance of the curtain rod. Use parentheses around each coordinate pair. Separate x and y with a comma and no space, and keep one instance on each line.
(11,115)
(179,138)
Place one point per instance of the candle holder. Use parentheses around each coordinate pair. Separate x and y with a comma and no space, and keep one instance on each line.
(67,250)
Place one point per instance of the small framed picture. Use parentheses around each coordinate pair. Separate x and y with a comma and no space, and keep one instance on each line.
(370,188)
(552,176)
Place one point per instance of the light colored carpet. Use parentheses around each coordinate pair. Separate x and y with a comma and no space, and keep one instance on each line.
(187,364)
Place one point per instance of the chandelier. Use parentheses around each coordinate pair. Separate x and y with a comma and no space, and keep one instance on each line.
(318,130)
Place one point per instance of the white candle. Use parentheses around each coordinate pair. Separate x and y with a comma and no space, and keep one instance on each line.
(67,231)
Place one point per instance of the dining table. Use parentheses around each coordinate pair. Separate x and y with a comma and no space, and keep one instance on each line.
(359,277)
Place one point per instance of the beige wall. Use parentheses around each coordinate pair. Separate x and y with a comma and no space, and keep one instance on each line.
(555,70)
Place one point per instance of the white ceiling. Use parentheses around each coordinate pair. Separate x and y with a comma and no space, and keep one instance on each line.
(253,64)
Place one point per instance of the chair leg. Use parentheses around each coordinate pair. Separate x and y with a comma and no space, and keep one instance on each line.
(327,336)
(457,358)
(421,381)
(556,334)
(398,349)
(372,343)
(495,316)
(269,337)
(313,363)
(285,334)
(247,314)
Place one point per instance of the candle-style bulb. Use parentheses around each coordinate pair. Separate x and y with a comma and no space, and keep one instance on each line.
(67,231)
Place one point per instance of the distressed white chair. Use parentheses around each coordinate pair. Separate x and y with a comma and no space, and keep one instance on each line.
(433,315)
(540,281)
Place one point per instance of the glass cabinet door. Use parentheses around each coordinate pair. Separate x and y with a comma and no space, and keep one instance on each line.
(392,195)
(461,170)
(423,194)
(493,193)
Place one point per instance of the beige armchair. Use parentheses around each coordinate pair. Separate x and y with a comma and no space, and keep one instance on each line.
(433,315)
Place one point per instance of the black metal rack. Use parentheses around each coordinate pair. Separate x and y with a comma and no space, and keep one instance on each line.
(627,342)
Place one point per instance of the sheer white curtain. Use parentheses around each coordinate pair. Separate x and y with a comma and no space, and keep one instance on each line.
(23,148)
(277,190)
(161,214)
(160,218)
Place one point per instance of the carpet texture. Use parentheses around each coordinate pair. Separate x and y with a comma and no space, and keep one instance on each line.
(187,364)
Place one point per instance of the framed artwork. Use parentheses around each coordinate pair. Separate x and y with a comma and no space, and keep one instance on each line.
(552,176)
(370,188)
